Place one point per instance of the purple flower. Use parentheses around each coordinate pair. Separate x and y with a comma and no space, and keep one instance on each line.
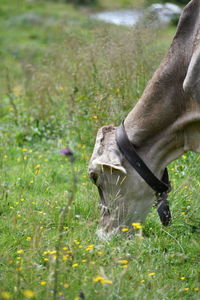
(67,151)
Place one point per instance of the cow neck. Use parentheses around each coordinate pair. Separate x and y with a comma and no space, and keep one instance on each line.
(162,138)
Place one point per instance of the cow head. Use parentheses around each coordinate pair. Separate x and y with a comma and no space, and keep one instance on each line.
(124,195)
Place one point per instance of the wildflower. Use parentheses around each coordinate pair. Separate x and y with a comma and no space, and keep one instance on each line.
(94,117)
(65,285)
(117,90)
(92,262)
(29,238)
(123,262)
(137,225)
(196,289)
(152,274)
(125,229)
(125,266)
(182,278)
(28,294)
(90,247)
(76,242)
(37,169)
(20,251)
(74,265)
(98,279)
(106,281)
(65,257)
(5,295)
(68,152)
(186,289)
(43,282)
(102,280)
(142,281)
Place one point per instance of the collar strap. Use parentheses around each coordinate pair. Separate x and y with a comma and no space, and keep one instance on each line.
(128,150)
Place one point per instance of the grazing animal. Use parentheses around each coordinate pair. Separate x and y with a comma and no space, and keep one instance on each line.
(163,125)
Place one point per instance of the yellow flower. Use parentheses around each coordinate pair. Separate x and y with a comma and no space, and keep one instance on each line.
(182,278)
(102,280)
(5,295)
(124,229)
(65,257)
(76,242)
(196,289)
(28,293)
(186,289)
(142,281)
(125,266)
(152,274)
(137,225)
(46,259)
(43,282)
(65,285)
(123,262)
(106,281)
(74,265)
(98,279)
(20,251)
(94,117)
(90,247)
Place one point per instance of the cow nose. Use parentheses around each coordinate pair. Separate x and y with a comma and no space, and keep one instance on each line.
(93,176)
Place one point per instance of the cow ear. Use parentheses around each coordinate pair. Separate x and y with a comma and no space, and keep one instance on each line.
(106,153)
(191,84)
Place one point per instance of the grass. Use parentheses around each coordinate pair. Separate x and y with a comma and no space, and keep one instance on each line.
(62,76)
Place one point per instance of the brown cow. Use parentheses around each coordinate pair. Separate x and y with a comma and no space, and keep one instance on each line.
(163,125)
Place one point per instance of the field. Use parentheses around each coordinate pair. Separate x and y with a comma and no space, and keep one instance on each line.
(63,75)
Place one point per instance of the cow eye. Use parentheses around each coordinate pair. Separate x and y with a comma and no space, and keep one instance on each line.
(93,177)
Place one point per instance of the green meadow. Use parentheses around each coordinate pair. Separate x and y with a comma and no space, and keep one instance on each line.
(62,76)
